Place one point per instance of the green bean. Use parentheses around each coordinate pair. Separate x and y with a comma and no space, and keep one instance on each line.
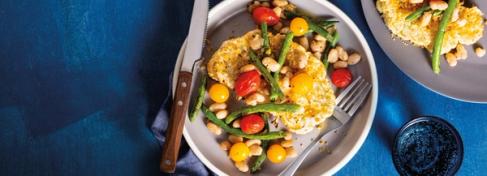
(275,89)
(265,116)
(330,45)
(416,14)
(290,15)
(269,107)
(312,26)
(199,100)
(435,59)
(265,36)
(263,136)
(437,12)
(282,57)
(319,30)
(326,23)
(256,165)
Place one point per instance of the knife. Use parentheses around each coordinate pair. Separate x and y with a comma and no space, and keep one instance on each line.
(179,109)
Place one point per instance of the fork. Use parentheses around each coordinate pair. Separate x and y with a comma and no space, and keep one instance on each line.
(348,102)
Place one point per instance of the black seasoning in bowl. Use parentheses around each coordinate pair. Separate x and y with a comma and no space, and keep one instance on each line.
(427,146)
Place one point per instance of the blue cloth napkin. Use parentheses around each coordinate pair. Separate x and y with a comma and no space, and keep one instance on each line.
(188,163)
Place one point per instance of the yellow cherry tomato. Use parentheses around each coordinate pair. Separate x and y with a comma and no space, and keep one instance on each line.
(219,93)
(301,83)
(276,153)
(239,152)
(299,26)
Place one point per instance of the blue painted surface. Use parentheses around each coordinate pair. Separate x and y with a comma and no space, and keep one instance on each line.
(81,80)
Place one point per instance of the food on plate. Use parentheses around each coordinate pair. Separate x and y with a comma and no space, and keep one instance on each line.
(251,124)
(199,101)
(247,83)
(239,152)
(276,153)
(276,72)
(436,25)
(265,15)
(219,93)
(341,77)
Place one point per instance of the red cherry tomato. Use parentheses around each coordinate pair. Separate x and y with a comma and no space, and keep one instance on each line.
(251,124)
(265,14)
(247,83)
(341,77)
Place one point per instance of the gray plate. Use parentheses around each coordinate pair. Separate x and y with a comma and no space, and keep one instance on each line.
(465,82)
(229,18)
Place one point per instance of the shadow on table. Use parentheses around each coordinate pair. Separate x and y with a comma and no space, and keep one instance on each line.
(395,108)
(160,53)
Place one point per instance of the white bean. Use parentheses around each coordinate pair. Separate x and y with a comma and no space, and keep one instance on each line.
(271,64)
(255,150)
(415,1)
(340,64)
(221,114)
(354,59)
(333,56)
(287,143)
(256,43)
(277,11)
(451,59)
(251,142)
(290,152)
(217,106)
(236,123)
(214,128)
(438,5)
(248,67)
(303,41)
(279,3)
(317,46)
(242,166)
(480,52)
(225,145)
(285,69)
(235,139)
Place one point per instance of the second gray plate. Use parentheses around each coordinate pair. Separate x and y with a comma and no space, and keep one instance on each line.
(465,82)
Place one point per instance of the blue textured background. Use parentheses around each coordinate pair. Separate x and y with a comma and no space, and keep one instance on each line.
(81,80)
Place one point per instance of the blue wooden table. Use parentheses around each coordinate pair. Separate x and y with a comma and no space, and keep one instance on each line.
(81,81)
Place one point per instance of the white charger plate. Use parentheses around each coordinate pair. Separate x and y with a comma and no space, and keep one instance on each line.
(230,18)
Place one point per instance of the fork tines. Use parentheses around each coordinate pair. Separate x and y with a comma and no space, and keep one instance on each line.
(353,96)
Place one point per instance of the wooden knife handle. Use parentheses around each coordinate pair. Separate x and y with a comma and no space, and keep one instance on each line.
(174,132)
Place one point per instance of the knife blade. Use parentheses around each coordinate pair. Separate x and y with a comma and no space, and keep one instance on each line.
(179,109)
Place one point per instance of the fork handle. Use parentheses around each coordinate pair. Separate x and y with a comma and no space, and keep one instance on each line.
(333,124)
(179,110)
(294,166)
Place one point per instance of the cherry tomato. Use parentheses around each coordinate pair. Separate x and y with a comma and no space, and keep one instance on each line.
(265,14)
(301,83)
(298,26)
(276,153)
(251,124)
(341,77)
(219,93)
(247,83)
(239,152)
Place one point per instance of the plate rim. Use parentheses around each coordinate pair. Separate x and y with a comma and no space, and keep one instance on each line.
(410,76)
(373,96)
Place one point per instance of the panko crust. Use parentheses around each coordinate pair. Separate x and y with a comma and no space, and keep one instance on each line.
(317,105)
(394,13)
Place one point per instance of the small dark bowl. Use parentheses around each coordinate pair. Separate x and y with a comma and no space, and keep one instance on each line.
(427,146)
